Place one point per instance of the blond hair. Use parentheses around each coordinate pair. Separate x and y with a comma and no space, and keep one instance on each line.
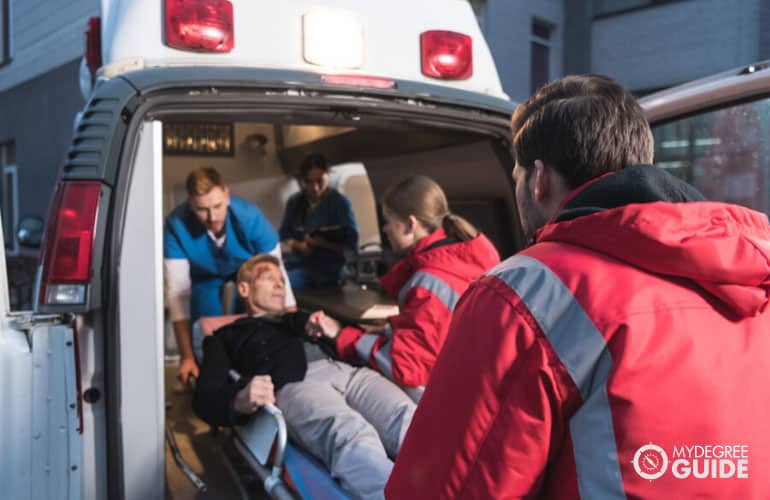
(247,271)
(202,180)
(423,198)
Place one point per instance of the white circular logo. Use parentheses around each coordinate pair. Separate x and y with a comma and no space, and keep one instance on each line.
(650,461)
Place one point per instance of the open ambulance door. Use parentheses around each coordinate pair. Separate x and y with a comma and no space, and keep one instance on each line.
(137,387)
(40,423)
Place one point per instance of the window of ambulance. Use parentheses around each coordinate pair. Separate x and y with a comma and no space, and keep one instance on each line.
(725,152)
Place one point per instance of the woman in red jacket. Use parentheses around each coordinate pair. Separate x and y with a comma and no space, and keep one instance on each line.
(443,253)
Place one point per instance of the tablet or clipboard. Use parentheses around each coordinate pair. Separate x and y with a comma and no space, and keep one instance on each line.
(332,234)
(380,311)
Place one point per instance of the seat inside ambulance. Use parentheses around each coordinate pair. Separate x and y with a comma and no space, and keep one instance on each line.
(261,167)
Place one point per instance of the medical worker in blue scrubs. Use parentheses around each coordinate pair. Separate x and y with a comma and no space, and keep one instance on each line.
(318,228)
(205,241)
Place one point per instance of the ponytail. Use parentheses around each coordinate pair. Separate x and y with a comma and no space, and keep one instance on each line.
(458,228)
(423,198)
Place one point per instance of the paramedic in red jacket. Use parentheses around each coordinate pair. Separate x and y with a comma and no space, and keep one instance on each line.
(443,254)
(623,354)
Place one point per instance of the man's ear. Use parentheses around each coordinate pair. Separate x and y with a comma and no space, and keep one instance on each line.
(543,179)
(243,289)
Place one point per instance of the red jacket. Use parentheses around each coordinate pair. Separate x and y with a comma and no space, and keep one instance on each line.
(428,283)
(602,362)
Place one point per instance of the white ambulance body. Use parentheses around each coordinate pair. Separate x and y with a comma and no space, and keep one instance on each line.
(383,89)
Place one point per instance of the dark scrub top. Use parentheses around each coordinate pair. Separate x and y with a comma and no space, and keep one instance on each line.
(299,219)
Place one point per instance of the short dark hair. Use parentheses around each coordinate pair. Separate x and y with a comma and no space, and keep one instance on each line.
(310,162)
(584,126)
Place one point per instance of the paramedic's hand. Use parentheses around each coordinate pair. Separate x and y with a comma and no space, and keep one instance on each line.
(258,393)
(301,246)
(313,241)
(321,325)
(187,368)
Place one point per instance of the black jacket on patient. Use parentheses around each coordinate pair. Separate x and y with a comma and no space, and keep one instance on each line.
(262,345)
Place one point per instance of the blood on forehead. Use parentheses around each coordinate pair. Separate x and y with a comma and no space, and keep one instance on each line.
(265,267)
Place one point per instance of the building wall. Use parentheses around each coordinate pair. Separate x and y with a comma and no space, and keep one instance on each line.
(508,28)
(673,43)
(38,116)
(45,35)
(764,34)
(39,97)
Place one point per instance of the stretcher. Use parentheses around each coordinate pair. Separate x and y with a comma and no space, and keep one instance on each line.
(286,471)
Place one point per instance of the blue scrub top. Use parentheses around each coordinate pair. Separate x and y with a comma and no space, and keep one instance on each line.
(334,209)
(184,237)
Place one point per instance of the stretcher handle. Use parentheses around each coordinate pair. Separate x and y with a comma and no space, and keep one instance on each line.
(182,464)
(280,448)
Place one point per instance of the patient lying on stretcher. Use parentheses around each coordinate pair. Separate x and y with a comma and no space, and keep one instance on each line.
(352,419)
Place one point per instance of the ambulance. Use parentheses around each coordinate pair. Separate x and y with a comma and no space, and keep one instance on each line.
(382,89)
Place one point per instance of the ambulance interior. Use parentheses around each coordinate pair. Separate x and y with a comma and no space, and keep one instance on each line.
(259,161)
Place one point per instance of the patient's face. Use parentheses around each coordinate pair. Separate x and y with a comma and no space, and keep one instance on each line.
(266,292)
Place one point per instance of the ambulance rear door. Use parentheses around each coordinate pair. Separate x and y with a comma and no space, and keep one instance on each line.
(40,422)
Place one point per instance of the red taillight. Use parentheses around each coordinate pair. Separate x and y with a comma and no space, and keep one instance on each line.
(93,45)
(69,240)
(446,55)
(200,25)
(376,82)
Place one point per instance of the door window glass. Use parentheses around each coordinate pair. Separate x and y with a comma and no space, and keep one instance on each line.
(725,153)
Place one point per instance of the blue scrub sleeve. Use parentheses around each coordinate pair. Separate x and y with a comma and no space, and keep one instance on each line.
(172,249)
(262,235)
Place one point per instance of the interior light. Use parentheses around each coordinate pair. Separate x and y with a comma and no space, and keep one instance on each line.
(333,38)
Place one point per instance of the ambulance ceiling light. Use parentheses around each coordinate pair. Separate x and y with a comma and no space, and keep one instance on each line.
(333,38)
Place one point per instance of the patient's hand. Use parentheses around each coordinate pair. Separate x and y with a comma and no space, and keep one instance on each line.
(258,393)
(321,325)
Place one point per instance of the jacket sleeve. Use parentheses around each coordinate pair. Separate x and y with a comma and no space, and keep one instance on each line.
(493,414)
(215,391)
(408,350)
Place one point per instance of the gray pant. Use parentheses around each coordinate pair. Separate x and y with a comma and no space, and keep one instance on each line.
(353,419)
